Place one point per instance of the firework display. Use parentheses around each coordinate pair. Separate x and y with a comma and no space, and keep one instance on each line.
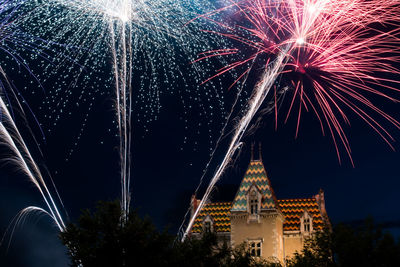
(22,158)
(330,55)
(143,40)
(12,42)
(333,59)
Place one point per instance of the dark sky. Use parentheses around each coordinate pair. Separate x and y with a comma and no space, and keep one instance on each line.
(166,170)
(164,177)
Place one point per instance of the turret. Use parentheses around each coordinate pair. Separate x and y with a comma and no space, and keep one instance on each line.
(194,203)
(320,197)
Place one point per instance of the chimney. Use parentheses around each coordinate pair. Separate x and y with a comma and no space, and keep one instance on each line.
(252,152)
(259,152)
(194,203)
(321,201)
(320,197)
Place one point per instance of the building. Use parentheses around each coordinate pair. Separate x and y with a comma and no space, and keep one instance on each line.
(273,228)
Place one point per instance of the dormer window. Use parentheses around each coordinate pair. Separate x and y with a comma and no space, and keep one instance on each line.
(253,202)
(207,225)
(306,223)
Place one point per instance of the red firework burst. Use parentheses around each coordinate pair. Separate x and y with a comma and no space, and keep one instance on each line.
(338,54)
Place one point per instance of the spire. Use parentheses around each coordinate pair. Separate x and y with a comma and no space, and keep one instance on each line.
(194,203)
(252,158)
(257,176)
(320,197)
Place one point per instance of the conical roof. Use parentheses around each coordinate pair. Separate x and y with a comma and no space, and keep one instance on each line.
(255,175)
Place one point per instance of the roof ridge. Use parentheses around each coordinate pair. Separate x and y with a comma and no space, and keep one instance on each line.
(220,202)
(287,199)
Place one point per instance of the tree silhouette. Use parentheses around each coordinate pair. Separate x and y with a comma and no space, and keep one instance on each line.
(101,239)
(345,246)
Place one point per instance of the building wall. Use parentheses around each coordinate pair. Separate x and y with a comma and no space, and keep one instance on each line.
(293,242)
(268,228)
(223,239)
(281,242)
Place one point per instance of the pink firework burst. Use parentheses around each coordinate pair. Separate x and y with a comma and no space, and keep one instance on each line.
(337,54)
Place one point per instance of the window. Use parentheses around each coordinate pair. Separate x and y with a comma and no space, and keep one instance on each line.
(253,202)
(255,248)
(307,225)
(207,227)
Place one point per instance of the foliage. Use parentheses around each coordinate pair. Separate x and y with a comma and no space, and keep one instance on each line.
(208,253)
(101,239)
(366,245)
(316,252)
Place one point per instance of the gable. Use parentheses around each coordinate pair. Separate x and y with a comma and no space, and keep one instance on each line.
(255,175)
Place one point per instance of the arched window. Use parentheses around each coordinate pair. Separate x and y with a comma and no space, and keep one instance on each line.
(306,223)
(253,202)
(208,225)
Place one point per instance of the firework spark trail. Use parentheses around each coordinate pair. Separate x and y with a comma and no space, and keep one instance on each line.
(260,93)
(27,165)
(123,95)
(118,14)
(339,47)
(20,218)
(151,33)
(13,39)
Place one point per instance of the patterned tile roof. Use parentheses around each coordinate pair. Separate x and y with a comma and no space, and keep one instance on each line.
(219,213)
(257,175)
(293,209)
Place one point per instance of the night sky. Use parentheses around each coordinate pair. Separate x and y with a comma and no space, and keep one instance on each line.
(164,177)
(166,170)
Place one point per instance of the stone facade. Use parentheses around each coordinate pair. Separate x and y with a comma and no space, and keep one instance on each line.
(273,229)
